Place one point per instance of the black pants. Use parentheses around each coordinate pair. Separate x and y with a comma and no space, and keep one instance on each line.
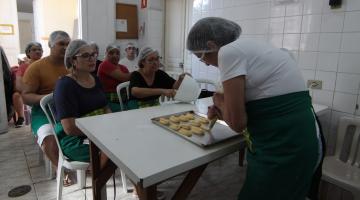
(313,193)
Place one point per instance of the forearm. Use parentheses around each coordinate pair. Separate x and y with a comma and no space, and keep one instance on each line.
(70,128)
(146,92)
(32,98)
(234,120)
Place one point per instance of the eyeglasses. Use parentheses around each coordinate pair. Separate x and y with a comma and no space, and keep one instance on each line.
(131,48)
(36,49)
(154,60)
(87,55)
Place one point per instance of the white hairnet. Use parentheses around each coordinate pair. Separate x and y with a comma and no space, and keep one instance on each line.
(111,47)
(72,49)
(57,36)
(219,30)
(28,47)
(144,52)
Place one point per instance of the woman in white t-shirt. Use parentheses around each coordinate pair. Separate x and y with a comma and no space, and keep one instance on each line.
(265,98)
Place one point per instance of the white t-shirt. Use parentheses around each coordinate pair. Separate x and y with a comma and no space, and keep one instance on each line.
(268,71)
(132,65)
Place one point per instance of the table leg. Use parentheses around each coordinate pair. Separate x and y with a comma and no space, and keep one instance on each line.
(99,176)
(188,183)
(148,193)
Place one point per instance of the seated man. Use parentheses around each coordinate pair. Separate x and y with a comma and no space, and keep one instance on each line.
(38,81)
(130,60)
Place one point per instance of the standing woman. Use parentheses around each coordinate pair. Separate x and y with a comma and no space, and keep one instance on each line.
(78,94)
(265,98)
(112,74)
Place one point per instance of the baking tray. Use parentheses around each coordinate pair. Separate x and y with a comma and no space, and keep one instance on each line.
(220,132)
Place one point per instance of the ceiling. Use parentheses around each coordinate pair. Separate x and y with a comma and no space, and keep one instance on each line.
(24,6)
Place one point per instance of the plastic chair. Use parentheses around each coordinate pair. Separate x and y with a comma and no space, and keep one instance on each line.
(342,169)
(206,83)
(47,106)
(119,88)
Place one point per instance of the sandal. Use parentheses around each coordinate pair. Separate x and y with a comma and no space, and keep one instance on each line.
(67,181)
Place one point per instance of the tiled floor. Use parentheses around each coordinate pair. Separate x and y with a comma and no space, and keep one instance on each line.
(19,165)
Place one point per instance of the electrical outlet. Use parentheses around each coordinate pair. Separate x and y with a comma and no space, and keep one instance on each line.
(314,84)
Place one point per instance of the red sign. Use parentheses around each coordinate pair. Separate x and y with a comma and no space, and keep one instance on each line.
(143,3)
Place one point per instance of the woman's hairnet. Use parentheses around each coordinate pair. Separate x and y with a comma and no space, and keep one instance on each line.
(57,36)
(111,47)
(28,47)
(219,30)
(96,47)
(72,49)
(144,52)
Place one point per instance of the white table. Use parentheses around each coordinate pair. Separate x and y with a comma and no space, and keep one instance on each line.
(147,153)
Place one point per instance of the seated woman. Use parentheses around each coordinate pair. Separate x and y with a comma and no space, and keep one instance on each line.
(33,52)
(111,74)
(148,83)
(78,94)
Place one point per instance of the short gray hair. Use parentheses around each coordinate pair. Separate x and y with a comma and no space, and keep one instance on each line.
(29,45)
(54,37)
(144,52)
(72,49)
(219,30)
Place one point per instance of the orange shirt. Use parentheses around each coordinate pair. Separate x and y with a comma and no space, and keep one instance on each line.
(44,74)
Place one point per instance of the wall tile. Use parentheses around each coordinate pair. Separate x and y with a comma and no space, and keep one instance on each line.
(312,7)
(323,97)
(330,42)
(351,42)
(344,102)
(258,11)
(352,5)
(358,103)
(327,78)
(309,42)
(311,24)
(307,60)
(293,24)
(349,63)
(291,41)
(327,61)
(276,40)
(308,74)
(216,4)
(277,10)
(348,83)
(277,25)
(294,9)
(332,22)
(352,22)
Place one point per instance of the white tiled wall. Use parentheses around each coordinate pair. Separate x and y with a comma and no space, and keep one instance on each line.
(325,41)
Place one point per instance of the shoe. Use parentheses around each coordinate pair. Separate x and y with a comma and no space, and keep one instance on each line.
(20,122)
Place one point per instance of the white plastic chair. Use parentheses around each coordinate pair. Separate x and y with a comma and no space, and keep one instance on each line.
(206,83)
(342,169)
(119,88)
(47,105)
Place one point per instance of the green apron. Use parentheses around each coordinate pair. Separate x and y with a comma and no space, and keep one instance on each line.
(38,118)
(73,147)
(285,148)
(135,104)
(113,99)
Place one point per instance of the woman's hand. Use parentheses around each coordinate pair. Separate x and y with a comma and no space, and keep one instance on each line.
(170,93)
(214,112)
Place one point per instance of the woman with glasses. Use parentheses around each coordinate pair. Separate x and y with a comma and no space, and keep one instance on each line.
(265,98)
(78,94)
(148,83)
(112,74)
(33,52)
